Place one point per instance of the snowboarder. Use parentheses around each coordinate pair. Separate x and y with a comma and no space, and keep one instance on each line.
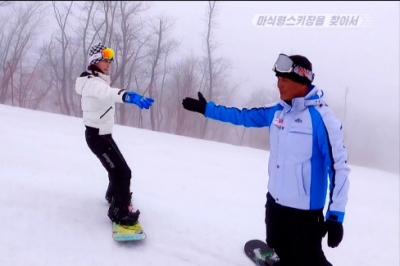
(98,106)
(306,149)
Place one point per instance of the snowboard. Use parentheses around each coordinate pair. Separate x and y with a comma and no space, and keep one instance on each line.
(260,253)
(124,233)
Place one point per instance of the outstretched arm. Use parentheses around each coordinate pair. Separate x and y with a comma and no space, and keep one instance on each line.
(100,90)
(103,91)
(254,117)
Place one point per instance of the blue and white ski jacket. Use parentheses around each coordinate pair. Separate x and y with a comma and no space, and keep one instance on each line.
(306,147)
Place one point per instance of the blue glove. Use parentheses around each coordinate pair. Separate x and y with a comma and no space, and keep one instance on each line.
(139,100)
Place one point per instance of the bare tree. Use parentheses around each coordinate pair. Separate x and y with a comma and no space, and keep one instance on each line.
(29,88)
(17,33)
(61,53)
(110,9)
(161,27)
(210,46)
(40,84)
(184,82)
(169,48)
(84,31)
(136,70)
(213,67)
(126,36)
(5,3)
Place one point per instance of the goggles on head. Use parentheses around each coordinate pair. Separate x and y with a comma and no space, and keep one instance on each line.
(285,65)
(106,54)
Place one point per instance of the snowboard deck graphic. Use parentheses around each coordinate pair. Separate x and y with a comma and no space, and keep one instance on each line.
(128,233)
(260,253)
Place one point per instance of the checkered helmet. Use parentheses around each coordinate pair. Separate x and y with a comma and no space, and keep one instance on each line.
(95,53)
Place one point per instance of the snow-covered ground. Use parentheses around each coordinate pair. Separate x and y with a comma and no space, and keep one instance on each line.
(200,201)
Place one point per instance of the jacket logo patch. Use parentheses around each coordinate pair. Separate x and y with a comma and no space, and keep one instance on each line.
(278,122)
(298,120)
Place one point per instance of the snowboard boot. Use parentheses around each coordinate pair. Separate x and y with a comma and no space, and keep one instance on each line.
(123,215)
(108,193)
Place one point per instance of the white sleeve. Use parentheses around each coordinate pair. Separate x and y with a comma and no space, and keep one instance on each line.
(100,90)
(336,158)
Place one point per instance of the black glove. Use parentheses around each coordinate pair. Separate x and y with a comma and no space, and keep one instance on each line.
(335,233)
(194,104)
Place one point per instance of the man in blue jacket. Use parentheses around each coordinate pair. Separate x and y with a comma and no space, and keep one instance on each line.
(306,150)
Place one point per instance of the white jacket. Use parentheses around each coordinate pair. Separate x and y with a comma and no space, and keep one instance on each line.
(307,149)
(98,101)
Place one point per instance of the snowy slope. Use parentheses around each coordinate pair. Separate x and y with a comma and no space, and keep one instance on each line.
(199,200)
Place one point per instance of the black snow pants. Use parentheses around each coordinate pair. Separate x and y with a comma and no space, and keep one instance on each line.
(119,173)
(295,235)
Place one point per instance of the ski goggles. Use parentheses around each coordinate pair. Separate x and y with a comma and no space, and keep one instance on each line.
(106,54)
(285,65)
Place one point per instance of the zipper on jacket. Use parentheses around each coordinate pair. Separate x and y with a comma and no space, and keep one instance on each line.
(279,168)
(106,112)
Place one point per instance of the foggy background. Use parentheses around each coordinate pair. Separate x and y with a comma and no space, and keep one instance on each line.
(162,51)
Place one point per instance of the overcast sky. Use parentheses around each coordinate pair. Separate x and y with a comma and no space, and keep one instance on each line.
(366,59)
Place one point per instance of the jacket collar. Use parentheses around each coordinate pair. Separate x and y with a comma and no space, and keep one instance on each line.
(314,97)
(104,77)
